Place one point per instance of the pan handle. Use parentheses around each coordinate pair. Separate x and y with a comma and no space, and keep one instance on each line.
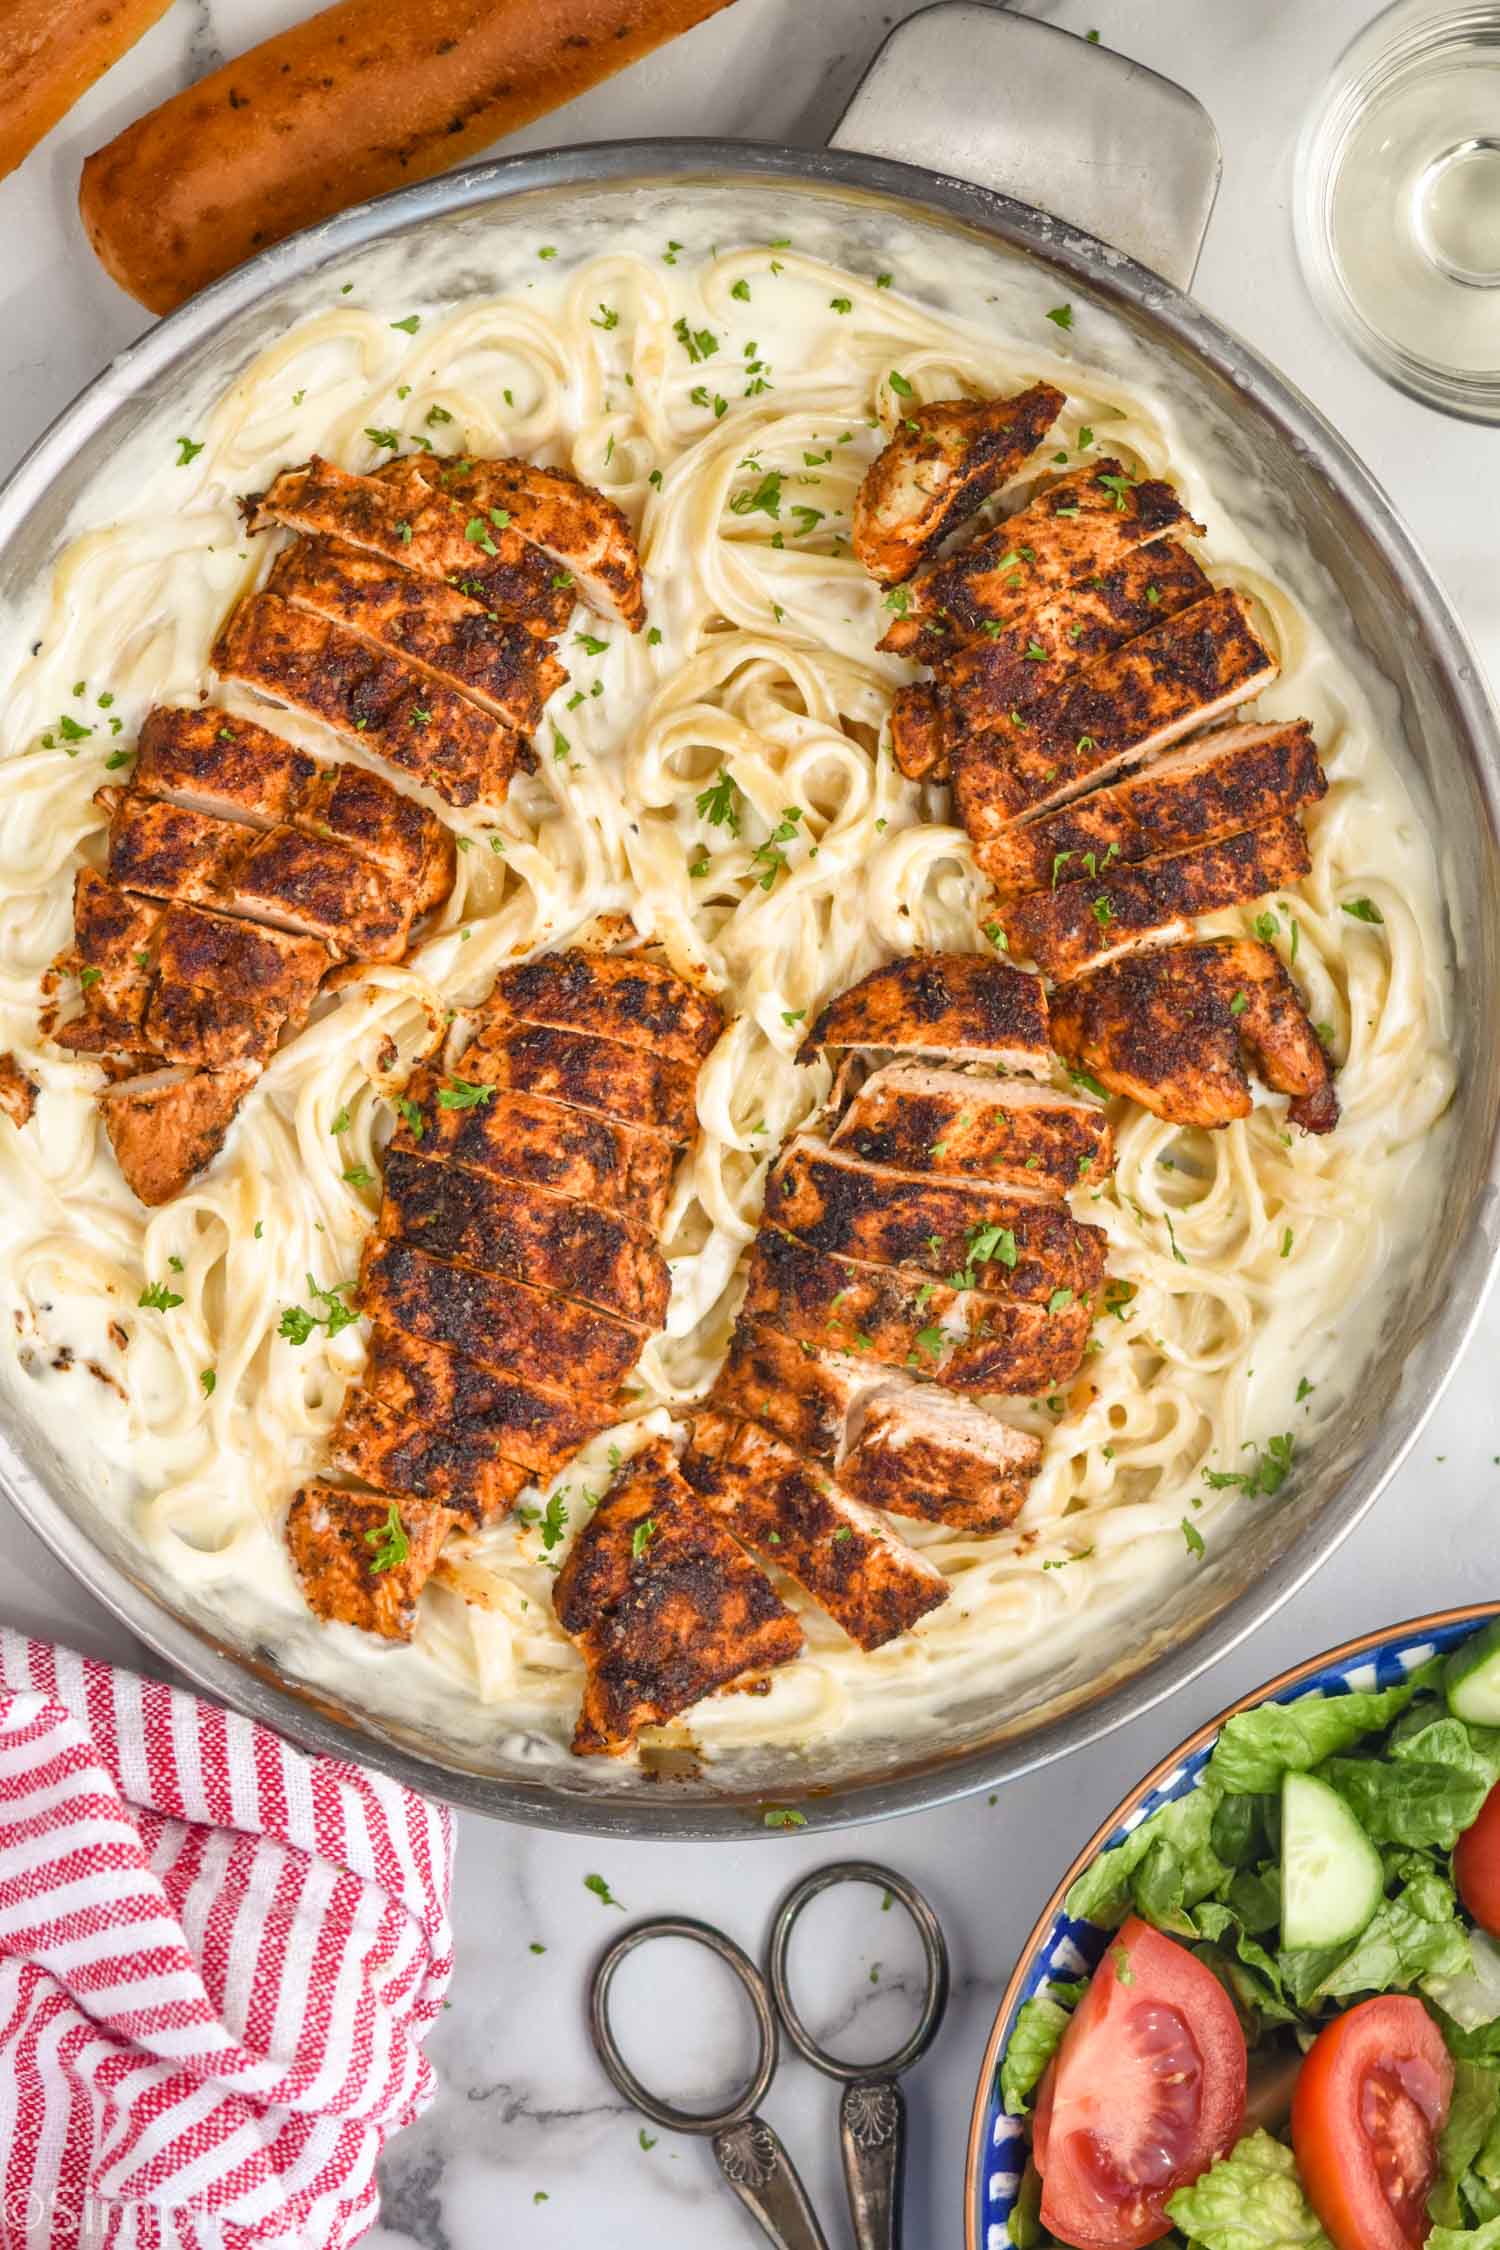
(1049,119)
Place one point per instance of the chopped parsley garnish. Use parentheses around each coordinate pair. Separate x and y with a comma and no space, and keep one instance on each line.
(297,1323)
(762,499)
(1266,927)
(207,1381)
(410,1115)
(590,644)
(554,1520)
(1103,912)
(390,439)
(1287,1239)
(698,343)
(1059,1300)
(601,1890)
(841,304)
(741,290)
(1194,1538)
(1117,485)
(771,856)
(1061,316)
(187,451)
(719,803)
(157,1297)
(1267,1476)
(930,1341)
(605,317)
(1238,1003)
(898,599)
(1363,910)
(463,1093)
(340,1123)
(784,1816)
(389,1540)
(410,325)
(435,415)
(358,1177)
(478,532)
(899,384)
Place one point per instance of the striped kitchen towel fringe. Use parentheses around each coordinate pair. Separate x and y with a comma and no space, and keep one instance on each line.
(218,1959)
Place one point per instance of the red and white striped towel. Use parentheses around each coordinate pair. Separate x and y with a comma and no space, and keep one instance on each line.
(218,1959)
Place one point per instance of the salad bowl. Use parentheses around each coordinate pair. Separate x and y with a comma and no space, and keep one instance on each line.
(1066,1944)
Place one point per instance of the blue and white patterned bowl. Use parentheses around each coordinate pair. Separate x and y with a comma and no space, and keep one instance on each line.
(1060,1950)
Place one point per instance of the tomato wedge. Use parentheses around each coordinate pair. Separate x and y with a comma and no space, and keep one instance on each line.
(1147,2091)
(1371,2100)
(1476,1865)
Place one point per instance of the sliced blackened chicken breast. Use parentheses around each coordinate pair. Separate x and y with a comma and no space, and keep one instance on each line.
(631,1084)
(793,1515)
(585,537)
(445,1410)
(952,1123)
(1010,1243)
(801,1394)
(1083,526)
(415,524)
(384,826)
(1084,925)
(212,761)
(1171,1029)
(432,626)
(112,956)
(168,851)
(1231,779)
(502,1227)
(166,1125)
(919,743)
(226,990)
(620,996)
(461,1119)
(964,1337)
(964,1004)
(404,1452)
(407,718)
(364,1557)
(1009,668)
(664,1605)
(921,1452)
(1122,708)
(942,464)
(501,1324)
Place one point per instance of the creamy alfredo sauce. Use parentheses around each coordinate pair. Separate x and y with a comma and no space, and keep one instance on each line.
(730,395)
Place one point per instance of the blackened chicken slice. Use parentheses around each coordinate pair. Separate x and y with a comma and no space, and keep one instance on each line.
(399,1452)
(550,1241)
(585,537)
(942,464)
(462,1119)
(112,955)
(1086,925)
(1118,710)
(792,1514)
(225,990)
(1231,779)
(953,1124)
(438,1395)
(363,1557)
(665,1606)
(418,526)
(1008,669)
(1172,1028)
(634,1085)
(802,1394)
(1013,1242)
(167,851)
(966,1338)
(433,626)
(919,742)
(921,1452)
(402,716)
(166,1125)
(500,1324)
(621,996)
(964,1004)
(382,825)
(212,761)
(319,888)
(1082,526)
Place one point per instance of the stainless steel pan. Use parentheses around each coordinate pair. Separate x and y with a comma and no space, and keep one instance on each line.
(1362,574)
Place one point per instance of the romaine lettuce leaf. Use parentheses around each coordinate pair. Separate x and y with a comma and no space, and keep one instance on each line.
(1471,2119)
(1105,1892)
(1257,1748)
(1251,2200)
(1411,1800)
(1485,2237)
(1032,2045)
(1409,1937)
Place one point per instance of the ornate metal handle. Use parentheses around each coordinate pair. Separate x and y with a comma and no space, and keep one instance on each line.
(872,2142)
(765,2179)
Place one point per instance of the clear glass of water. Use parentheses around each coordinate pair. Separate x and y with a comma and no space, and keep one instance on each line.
(1398,201)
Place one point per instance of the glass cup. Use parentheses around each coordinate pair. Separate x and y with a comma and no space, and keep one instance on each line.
(1398,202)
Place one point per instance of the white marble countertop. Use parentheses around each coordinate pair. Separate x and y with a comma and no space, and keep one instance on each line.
(527,2144)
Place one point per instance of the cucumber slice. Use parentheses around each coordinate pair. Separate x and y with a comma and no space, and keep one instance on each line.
(1471,1678)
(1331,1876)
